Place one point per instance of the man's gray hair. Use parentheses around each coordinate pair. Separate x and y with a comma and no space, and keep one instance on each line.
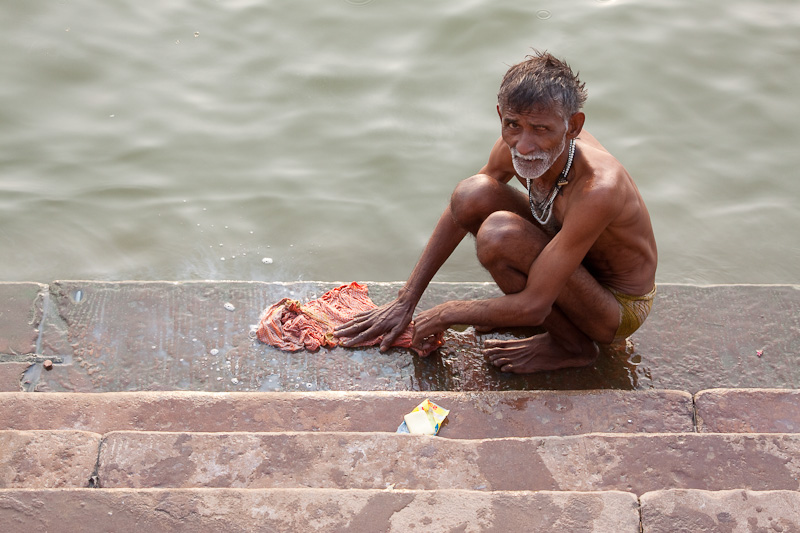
(542,80)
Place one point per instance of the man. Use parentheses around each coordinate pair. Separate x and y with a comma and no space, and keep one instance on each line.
(575,253)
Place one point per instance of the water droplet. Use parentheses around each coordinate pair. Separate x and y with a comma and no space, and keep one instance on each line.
(214,351)
(229,306)
(234,381)
(267,260)
(197,34)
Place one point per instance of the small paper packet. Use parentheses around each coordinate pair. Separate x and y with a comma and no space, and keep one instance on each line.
(425,419)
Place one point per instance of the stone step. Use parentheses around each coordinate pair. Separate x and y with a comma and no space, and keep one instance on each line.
(696,511)
(636,463)
(296,510)
(278,510)
(748,410)
(474,415)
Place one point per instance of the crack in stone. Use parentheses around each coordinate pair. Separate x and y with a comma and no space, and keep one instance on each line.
(639,511)
(44,295)
(94,479)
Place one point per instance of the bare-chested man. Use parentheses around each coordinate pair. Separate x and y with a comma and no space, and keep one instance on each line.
(574,254)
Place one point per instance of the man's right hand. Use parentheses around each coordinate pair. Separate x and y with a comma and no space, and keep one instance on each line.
(389,320)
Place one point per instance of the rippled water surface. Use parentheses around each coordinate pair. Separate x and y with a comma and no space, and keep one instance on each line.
(193,140)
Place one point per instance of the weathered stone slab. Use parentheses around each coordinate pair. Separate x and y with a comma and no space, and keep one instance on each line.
(20,314)
(11,378)
(748,411)
(358,511)
(631,463)
(708,337)
(179,336)
(733,511)
(47,459)
(472,415)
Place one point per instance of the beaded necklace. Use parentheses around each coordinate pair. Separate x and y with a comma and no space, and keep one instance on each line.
(546,207)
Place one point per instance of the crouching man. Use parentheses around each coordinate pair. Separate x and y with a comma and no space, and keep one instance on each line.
(573,252)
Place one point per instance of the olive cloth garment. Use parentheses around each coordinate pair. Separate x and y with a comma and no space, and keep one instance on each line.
(633,311)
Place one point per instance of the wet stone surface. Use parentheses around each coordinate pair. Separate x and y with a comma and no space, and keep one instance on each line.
(732,336)
(121,336)
(20,314)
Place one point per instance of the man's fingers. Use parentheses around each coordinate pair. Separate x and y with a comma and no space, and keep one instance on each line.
(353,326)
(347,330)
(363,336)
(390,337)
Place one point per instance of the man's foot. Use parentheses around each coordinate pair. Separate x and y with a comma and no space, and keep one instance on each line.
(537,354)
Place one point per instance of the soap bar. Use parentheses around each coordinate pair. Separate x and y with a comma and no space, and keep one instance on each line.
(419,424)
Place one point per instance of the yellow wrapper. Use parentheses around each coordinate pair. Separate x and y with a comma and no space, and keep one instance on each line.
(425,419)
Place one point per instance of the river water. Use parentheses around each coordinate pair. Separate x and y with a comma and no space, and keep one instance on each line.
(278,141)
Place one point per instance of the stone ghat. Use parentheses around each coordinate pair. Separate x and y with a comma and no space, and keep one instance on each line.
(161,411)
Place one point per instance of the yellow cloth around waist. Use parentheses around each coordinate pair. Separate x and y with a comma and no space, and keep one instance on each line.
(633,311)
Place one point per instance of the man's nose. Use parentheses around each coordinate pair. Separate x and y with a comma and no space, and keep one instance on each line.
(527,145)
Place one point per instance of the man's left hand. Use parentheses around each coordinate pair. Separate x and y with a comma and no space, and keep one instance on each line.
(429,327)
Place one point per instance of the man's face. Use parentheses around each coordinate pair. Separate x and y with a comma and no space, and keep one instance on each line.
(535,137)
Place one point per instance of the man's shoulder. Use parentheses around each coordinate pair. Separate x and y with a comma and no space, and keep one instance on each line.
(601,186)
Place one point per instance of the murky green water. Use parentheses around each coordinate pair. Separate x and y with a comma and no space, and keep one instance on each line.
(192,140)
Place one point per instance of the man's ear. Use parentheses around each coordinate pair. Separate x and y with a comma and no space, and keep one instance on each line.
(499,114)
(575,124)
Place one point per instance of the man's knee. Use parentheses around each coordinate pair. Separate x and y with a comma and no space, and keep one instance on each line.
(498,237)
(473,200)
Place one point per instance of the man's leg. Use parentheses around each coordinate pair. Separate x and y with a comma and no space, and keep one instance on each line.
(584,312)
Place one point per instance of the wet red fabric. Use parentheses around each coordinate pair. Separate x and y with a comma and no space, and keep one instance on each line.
(291,326)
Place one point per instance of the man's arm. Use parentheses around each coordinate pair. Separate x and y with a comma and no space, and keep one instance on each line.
(548,274)
(393,318)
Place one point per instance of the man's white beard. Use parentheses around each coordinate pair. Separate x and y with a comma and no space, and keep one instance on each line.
(532,166)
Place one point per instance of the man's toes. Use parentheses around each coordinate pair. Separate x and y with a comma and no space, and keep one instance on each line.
(500,361)
(492,355)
